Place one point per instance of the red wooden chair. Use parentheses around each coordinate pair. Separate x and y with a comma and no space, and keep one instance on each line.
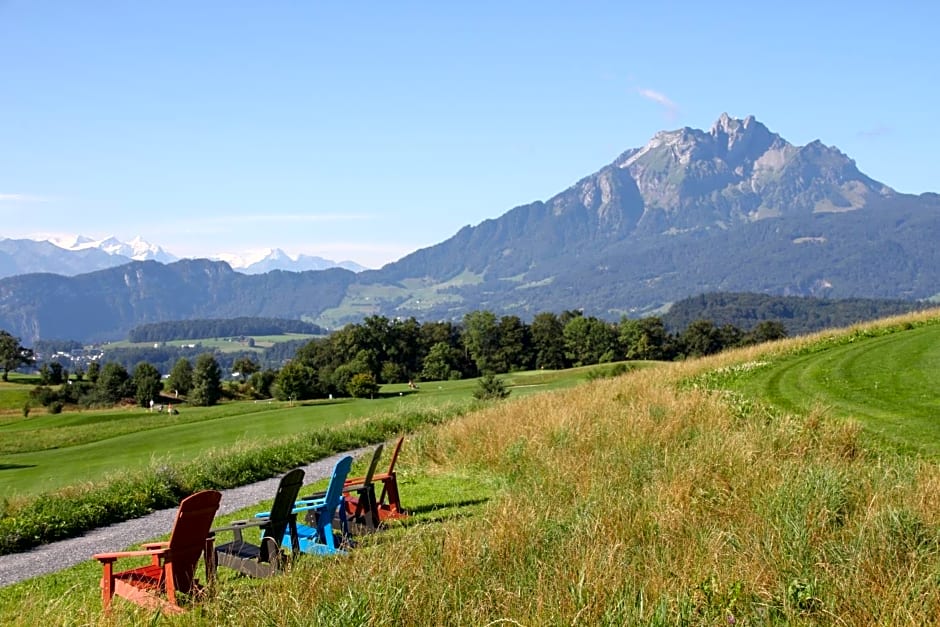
(389,502)
(173,563)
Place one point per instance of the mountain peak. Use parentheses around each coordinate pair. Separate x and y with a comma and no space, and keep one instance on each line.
(731,130)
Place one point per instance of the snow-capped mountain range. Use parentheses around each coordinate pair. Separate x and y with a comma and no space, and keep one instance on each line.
(136,249)
(77,254)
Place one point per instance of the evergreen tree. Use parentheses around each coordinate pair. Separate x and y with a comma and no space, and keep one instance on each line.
(490,388)
(112,384)
(181,377)
(147,383)
(94,371)
(207,381)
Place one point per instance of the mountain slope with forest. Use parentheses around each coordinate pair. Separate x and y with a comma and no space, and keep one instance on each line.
(736,208)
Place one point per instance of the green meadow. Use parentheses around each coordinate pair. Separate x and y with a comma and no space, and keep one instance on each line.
(46,452)
(222,344)
(793,483)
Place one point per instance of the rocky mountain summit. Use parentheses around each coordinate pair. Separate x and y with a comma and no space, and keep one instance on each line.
(739,171)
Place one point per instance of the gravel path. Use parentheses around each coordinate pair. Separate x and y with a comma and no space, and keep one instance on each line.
(56,556)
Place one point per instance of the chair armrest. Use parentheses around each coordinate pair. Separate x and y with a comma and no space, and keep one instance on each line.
(155,545)
(306,506)
(241,524)
(110,557)
(356,487)
(355,483)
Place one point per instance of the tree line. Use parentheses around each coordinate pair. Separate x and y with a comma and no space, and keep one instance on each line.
(357,359)
(108,384)
(381,350)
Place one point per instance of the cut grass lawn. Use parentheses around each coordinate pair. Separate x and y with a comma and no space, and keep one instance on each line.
(889,384)
(47,452)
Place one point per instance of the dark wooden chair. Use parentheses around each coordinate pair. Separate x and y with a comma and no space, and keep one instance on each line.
(362,510)
(266,558)
(173,563)
(318,535)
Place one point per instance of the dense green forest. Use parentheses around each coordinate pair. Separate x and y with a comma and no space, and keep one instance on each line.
(799,314)
(219,327)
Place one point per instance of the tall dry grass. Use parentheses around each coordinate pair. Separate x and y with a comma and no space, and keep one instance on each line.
(639,500)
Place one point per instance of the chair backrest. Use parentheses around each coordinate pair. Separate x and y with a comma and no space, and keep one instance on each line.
(391,464)
(367,479)
(190,531)
(287,491)
(334,492)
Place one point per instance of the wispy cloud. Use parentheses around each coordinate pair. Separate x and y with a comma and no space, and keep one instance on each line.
(300,217)
(873,133)
(23,198)
(281,218)
(671,109)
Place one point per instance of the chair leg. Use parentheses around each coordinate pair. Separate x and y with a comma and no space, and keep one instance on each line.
(107,585)
(169,582)
(394,501)
(209,557)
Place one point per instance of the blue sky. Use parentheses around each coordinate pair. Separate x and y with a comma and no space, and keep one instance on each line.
(365,131)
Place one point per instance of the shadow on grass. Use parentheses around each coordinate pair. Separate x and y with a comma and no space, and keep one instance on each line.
(395,394)
(434,507)
(424,514)
(16,466)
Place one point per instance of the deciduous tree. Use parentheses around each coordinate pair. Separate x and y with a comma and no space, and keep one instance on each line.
(13,354)
(245,367)
(362,385)
(548,341)
(441,363)
(295,381)
(481,337)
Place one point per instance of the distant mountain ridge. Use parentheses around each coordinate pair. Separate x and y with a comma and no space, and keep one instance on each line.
(736,208)
(268,259)
(77,254)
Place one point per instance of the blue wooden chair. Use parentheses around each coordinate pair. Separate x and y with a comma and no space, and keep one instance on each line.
(318,536)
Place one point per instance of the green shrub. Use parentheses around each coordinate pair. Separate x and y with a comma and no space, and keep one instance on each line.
(362,385)
(490,388)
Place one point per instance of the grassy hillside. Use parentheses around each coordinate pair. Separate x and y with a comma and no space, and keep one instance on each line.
(666,496)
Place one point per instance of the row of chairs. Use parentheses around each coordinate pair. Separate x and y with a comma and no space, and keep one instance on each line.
(346,502)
